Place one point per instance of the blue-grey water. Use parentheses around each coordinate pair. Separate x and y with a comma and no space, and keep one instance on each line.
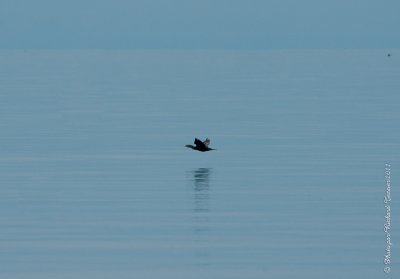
(95,181)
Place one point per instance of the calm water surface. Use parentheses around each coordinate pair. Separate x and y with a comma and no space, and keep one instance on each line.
(95,181)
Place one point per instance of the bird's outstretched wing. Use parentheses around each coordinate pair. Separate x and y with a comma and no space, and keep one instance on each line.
(206,142)
(199,143)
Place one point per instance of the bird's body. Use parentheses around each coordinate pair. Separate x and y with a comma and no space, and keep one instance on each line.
(200,145)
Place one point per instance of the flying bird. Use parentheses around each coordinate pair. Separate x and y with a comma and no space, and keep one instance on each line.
(200,145)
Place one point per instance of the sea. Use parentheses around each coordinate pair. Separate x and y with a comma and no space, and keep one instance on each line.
(96,181)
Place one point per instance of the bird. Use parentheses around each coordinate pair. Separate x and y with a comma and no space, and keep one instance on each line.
(200,145)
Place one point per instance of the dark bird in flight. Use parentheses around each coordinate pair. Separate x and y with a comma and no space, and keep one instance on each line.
(200,145)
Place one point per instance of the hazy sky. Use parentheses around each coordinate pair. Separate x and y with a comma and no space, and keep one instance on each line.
(253,24)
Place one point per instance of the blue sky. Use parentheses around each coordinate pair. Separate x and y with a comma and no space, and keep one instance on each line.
(226,24)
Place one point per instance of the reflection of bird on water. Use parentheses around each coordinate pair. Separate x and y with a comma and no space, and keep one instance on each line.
(200,145)
(202,227)
(201,179)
